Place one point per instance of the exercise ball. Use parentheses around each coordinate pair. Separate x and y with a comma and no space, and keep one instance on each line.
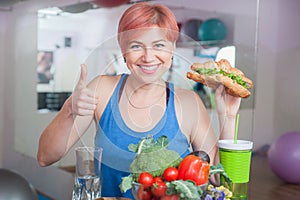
(189,29)
(212,29)
(110,3)
(15,186)
(284,157)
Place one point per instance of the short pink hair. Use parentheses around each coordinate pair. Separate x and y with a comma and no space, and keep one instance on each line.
(145,15)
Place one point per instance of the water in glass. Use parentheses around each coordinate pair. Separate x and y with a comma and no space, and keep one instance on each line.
(87,188)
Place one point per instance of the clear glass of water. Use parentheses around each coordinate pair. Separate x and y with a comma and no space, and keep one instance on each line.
(87,184)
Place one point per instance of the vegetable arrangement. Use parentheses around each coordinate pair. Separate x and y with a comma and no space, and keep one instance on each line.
(159,173)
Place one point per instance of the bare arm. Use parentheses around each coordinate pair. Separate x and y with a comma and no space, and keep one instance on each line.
(203,136)
(61,134)
(195,123)
(70,123)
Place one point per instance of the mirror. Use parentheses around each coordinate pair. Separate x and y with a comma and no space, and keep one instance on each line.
(62,38)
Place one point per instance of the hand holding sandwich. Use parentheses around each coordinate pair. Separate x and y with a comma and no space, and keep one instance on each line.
(226,104)
(231,85)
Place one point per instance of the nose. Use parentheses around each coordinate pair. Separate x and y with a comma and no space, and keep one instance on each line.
(148,54)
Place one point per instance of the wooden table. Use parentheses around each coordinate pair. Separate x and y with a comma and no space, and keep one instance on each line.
(265,185)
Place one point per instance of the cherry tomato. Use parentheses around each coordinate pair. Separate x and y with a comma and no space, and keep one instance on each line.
(159,189)
(146,179)
(170,174)
(157,179)
(144,194)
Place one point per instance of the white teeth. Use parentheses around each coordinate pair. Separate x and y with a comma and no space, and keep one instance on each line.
(149,68)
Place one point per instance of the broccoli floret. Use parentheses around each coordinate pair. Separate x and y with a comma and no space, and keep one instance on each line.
(153,156)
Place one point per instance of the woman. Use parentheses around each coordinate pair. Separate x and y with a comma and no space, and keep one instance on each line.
(127,108)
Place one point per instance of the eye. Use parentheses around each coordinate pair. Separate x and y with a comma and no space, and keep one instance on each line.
(136,47)
(159,46)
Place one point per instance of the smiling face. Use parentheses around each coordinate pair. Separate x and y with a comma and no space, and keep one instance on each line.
(148,53)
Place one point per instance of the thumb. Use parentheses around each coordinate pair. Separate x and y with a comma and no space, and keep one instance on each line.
(83,74)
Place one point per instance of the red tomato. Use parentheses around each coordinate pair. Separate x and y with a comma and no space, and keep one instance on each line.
(159,189)
(170,174)
(144,194)
(157,179)
(146,179)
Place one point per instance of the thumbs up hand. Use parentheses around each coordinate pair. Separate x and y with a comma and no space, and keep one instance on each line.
(84,100)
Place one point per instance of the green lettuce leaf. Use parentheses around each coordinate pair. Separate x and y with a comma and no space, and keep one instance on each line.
(186,189)
(212,71)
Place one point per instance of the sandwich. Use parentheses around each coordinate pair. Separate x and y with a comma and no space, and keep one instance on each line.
(213,74)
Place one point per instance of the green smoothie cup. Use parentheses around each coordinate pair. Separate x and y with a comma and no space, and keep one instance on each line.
(236,159)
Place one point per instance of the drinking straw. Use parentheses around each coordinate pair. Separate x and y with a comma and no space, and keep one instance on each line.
(237,119)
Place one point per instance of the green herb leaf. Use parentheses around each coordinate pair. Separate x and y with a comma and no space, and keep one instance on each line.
(208,71)
(218,168)
(186,189)
(212,71)
(126,183)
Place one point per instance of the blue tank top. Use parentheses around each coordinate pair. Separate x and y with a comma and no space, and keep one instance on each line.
(114,136)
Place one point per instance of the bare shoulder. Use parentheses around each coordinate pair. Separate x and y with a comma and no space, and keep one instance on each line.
(189,108)
(104,84)
(104,87)
(185,96)
(192,115)
(104,79)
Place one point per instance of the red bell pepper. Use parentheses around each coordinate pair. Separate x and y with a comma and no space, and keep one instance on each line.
(195,169)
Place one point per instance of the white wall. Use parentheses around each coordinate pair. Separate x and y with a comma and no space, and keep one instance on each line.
(287,92)
(277,95)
